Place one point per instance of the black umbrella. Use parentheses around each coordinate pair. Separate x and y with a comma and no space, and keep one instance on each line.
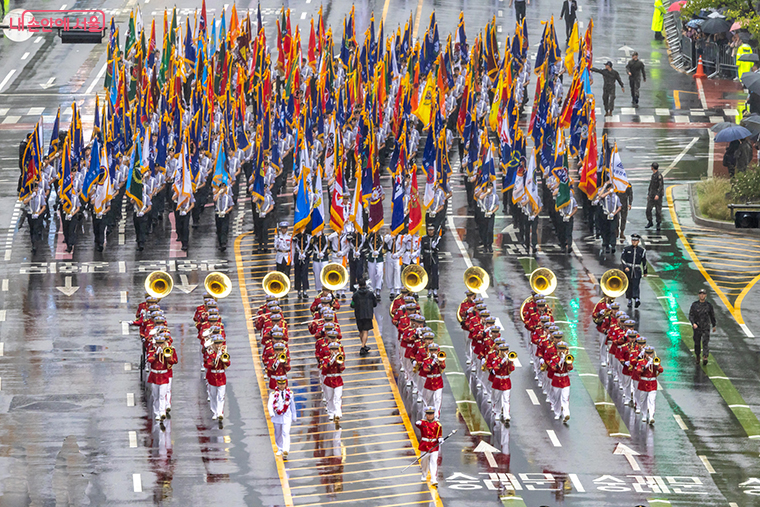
(722,126)
(751,81)
(752,123)
(716,25)
(744,36)
(750,57)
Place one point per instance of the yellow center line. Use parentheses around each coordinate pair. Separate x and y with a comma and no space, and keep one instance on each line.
(288,499)
(735,310)
(677,99)
(417,18)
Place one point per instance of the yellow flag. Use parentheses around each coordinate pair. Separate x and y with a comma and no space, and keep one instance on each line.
(572,49)
(424,110)
(493,117)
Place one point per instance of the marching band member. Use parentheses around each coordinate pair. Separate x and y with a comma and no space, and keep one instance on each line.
(561,382)
(628,361)
(282,412)
(375,261)
(160,359)
(302,257)
(411,251)
(277,368)
(638,353)
(501,366)
(431,436)
(217,361)
(320,257)
(332,366)
(432,368)
(429,249)
(649,368)
(394,246)
(339,247)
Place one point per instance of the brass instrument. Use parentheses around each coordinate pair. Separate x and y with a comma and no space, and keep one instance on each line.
(333,276)
(512,355)
(276,284)
(283,357)
(522,308)
(225,357)
(168,352)
(414,278)
(159,284)
(218,285)
(476,279)
(339,359)
(441,355)
(614,283)
(543,281)
(656,361)
(569,359)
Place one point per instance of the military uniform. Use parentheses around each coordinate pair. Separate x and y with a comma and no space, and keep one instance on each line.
(654,198)
(429,247)
(282,412)
(320,256)
(283,247)
(302,257)
(702,318)
(223,205)
(431,436)
(375,261)
(634,260)
(610,76)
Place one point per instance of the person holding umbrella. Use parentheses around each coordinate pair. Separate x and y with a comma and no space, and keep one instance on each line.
(736,153)
(745,59)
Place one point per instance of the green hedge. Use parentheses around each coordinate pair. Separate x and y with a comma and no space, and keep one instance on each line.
(714,195)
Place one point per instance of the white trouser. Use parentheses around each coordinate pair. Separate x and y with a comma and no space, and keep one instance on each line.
(375,270)
(407,362)
(333,397)
(317,266)
(429,463)
(646,403)
(625,383)
(282,435)
(432,398)
(603,352)
(169,394)
(158,393)
(217,399)
(550,393)
(501,402)
(393,275)
(634,390)
(561,396)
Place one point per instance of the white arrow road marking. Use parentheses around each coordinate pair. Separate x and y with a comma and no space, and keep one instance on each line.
(49,83)
(184,286)
(67,288)
(629,455)
(627,50)
(489,451)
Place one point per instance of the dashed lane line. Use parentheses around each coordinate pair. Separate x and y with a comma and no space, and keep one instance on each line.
(533,397)
(679,421)
(125,327)
(130,399)
(553,437)
(137,483)
(706,463)
(132,439)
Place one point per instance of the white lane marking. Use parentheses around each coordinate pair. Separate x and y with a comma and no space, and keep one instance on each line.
(733,504)
(604,403)
(7,78)
(97,78)
(8,255)
(718,377)
(132,439)
(121,239)
(63,7)
(646,118)
(702,98)
(130,399)
(125,327)
(127,366)
(517,363)
(10,119)
(553,438)
(35,111)
(746,330)
(2,349)
(122,267)
(38,40)
(2,315)
(137,483)
(303,15)
(26,55)
(711,154)
(730,406)
(123,296)
(533,397)
(680,422)
(5,285)
(588,374)
(460,245)
(680,156)
(577,251)
(577,483)
(706,463)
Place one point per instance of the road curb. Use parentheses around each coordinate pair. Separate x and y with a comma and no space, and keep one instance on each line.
(709,222)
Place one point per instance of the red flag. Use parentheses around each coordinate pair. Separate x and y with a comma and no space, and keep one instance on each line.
(312,48)
(415,210)
(590,160)
(376,201)
(336,203)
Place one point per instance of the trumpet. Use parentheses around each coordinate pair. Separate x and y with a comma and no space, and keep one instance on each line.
(441,355)
(283,357)
(512,355)
(339,359)
(569,359)
(656,361)
(225,357)
(168,352)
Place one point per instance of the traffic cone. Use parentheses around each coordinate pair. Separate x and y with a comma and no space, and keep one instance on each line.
(700,74)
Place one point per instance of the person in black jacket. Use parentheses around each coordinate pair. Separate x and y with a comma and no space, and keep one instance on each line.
(702,316)
(569,8)
(610,77)
(654,197)
(364,302)
(634,261)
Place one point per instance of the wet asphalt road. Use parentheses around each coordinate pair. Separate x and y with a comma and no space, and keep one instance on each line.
(74,424)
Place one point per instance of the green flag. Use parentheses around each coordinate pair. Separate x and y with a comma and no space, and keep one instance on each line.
(131,36)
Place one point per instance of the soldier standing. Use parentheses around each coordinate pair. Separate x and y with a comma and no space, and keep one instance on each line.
(654,196)
(702,317)
(429,248)
(320,257)
(375,261)
(223,203)
(302,245)
(634,260)
(394,246)
(282,412)
(261,211)
(283,247)
(636,72)
(431,436)
(356,258)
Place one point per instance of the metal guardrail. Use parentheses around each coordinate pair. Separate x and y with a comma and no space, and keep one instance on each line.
(748,207)
(717,59)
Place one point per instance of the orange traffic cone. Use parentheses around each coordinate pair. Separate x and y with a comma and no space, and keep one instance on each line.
(700,74)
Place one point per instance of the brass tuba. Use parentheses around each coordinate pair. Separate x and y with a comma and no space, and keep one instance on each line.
(276,284)
(614,283)
(218,285)
(333,276)
(159,284)
(414,277)
(476,279)
(543,281)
